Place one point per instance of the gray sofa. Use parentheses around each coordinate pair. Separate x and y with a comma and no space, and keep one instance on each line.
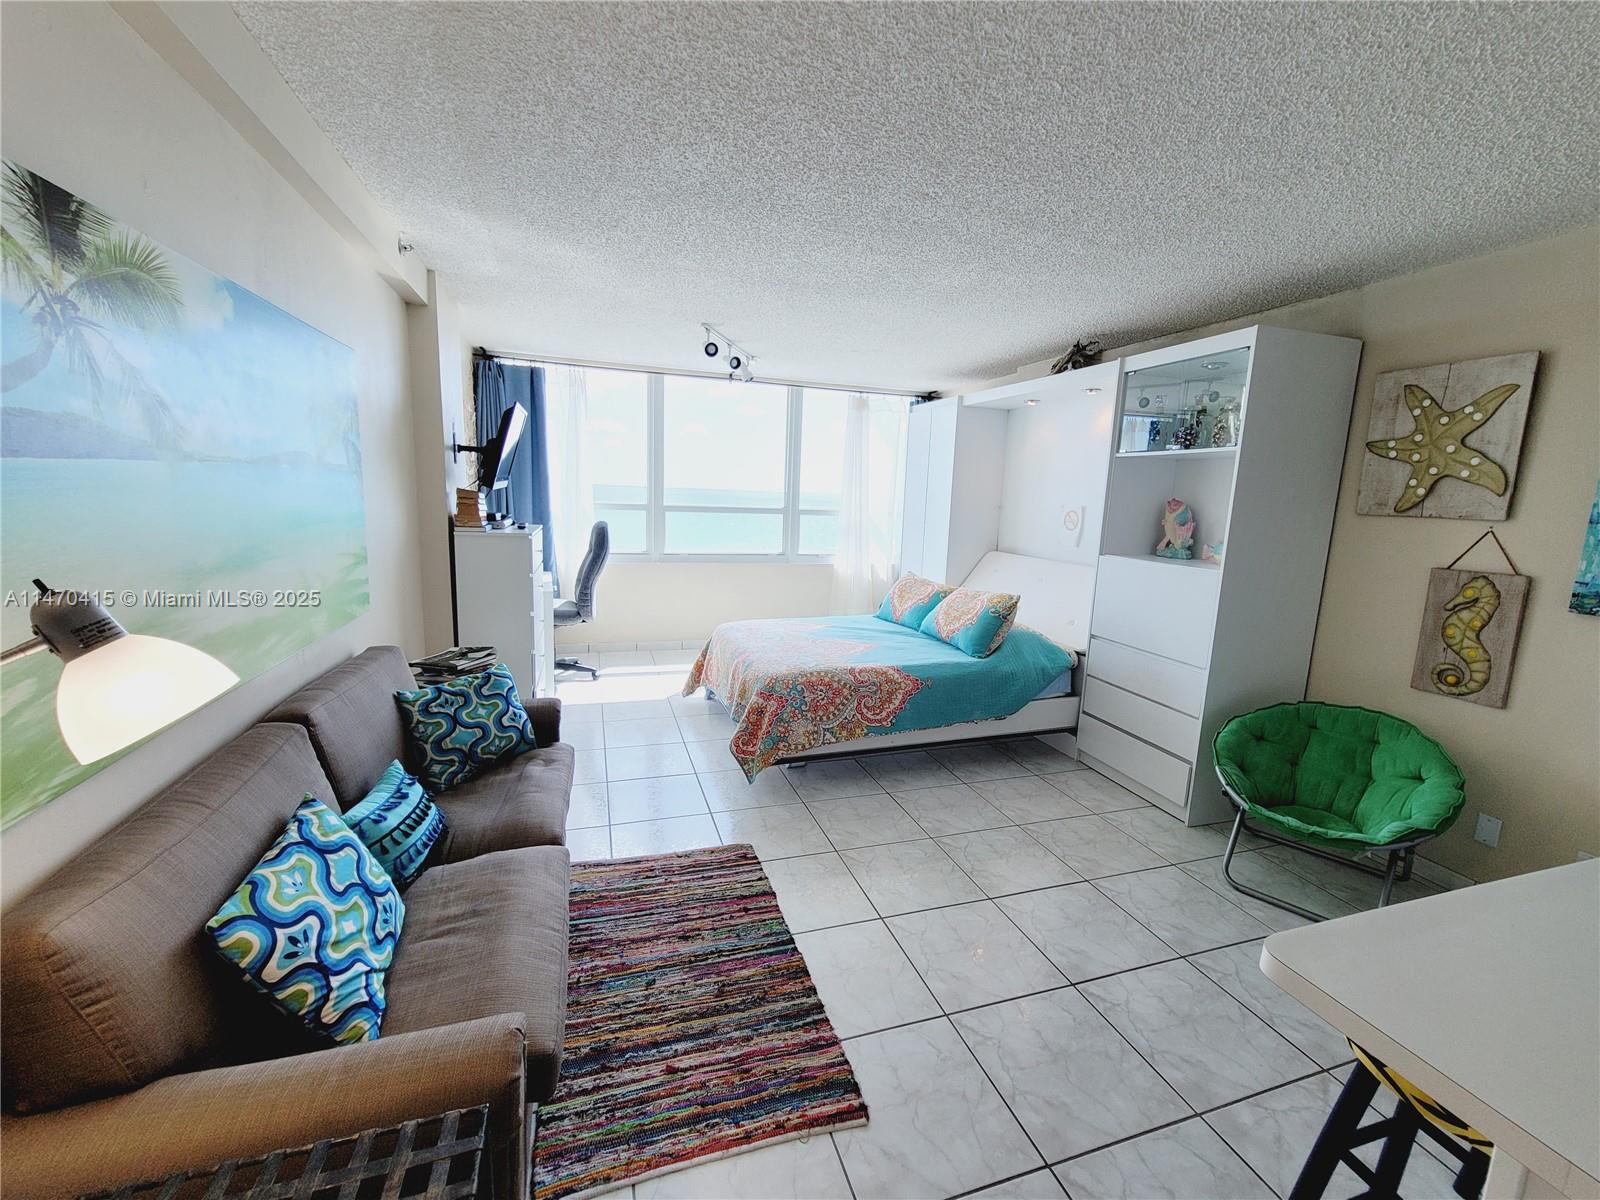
(131,1050)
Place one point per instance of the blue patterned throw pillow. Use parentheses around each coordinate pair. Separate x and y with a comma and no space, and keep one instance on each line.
(911,599)
(399,822)
(973,622)
(314,925)
(464,726)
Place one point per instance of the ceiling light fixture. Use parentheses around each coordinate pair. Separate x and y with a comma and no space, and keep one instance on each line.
(1214,366)
(719,345)
(1092,391)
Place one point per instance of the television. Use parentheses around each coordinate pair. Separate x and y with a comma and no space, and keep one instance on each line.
(497,454)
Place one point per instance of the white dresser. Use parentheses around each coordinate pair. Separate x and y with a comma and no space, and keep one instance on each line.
(1179,646)
(505,599)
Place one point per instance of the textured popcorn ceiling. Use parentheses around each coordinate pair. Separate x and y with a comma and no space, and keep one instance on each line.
(927,195)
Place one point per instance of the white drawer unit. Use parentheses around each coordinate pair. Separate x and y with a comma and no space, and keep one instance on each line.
(503,599)
(1174,684)
(1175,732)
(1165,607)
(1162,777)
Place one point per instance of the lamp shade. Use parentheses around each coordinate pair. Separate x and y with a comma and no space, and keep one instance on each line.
(127,688)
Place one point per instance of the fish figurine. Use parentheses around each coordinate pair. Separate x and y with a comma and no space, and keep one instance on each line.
(1177,527)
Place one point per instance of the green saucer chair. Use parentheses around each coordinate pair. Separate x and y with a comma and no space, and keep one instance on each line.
(1337,782)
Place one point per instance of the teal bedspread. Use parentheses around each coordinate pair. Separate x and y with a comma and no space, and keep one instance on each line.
(796,684)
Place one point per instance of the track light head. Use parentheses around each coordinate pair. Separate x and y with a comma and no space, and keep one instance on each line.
(735,362)
(712,349)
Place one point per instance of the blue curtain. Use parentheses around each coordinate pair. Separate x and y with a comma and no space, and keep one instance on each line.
(497,386)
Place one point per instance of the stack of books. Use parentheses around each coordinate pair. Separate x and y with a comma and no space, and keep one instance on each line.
(469,508)
(454,663)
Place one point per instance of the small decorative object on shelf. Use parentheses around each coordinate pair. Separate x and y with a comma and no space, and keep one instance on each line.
(1212,553)
(1187,434)
(1082,354)
(1177,527)
(1225,430)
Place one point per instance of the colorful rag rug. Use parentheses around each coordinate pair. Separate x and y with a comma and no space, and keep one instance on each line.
(693,1027)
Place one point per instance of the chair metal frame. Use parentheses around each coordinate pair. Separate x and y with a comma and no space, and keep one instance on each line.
(1397,869)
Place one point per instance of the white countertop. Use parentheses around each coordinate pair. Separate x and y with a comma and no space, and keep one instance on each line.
(1487,998)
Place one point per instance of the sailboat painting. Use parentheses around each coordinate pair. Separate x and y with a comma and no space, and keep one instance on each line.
(170,441)
(1586,584)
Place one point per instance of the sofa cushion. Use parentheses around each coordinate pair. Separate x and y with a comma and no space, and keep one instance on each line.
(351,716)
(488,936)
(399,822)
(107,979)
(314,925)
(460,728)
(519,803)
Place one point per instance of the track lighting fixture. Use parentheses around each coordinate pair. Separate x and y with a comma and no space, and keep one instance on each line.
(739,360)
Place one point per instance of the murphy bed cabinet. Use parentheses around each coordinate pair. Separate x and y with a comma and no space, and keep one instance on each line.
(1248,429)
(955,458)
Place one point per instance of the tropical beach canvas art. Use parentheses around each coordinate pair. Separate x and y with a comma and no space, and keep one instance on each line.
(170,441)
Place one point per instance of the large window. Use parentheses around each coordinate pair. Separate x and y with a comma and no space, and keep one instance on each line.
(685,467)
(619,454)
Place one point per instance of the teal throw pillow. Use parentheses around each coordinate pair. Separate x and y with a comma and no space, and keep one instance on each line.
(973,622)
(464,726)
(911,599)
(314,925)
(399,822)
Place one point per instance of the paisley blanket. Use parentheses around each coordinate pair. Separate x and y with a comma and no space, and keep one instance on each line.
(796,684)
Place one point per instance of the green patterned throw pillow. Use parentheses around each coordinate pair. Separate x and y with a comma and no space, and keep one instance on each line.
(464,726)
(314,926)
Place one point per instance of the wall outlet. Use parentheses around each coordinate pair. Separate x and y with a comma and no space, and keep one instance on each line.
(1488,830)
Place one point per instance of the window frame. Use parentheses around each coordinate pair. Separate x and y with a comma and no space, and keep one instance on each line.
(656,508)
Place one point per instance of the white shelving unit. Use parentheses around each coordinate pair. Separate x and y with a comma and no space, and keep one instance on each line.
(1178,646)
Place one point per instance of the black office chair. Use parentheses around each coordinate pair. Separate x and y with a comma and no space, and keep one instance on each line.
(581,607)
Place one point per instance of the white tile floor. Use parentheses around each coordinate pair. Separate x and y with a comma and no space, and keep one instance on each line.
(1042,982)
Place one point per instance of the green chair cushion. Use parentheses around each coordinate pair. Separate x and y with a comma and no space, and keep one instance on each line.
(1334,774)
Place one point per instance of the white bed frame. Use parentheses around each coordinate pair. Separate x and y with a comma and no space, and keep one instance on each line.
(1057,598)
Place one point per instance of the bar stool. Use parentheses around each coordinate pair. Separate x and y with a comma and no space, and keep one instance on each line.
(1416,1111)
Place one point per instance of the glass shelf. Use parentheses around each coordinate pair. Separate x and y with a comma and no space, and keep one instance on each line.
(1188,407)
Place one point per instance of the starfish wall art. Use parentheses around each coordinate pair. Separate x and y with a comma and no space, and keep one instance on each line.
(1444,441)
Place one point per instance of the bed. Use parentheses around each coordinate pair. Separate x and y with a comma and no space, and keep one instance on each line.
(799,689)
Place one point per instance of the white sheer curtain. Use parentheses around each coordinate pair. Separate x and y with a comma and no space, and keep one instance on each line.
(869,502)
(571,495)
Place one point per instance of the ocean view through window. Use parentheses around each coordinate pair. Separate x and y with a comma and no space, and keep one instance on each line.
(685,467)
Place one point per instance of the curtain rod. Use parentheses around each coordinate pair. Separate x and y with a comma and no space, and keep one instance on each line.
(559,361)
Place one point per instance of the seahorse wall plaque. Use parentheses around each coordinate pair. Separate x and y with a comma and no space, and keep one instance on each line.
(1444,441)
(1468,642)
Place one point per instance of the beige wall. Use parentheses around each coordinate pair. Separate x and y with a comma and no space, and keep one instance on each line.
(86,103)
(436,350)
(1536,763)
(658,602)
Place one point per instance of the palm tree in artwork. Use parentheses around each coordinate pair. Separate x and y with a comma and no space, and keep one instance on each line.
(78,275)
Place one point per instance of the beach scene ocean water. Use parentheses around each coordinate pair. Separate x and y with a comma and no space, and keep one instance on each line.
(170,441)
